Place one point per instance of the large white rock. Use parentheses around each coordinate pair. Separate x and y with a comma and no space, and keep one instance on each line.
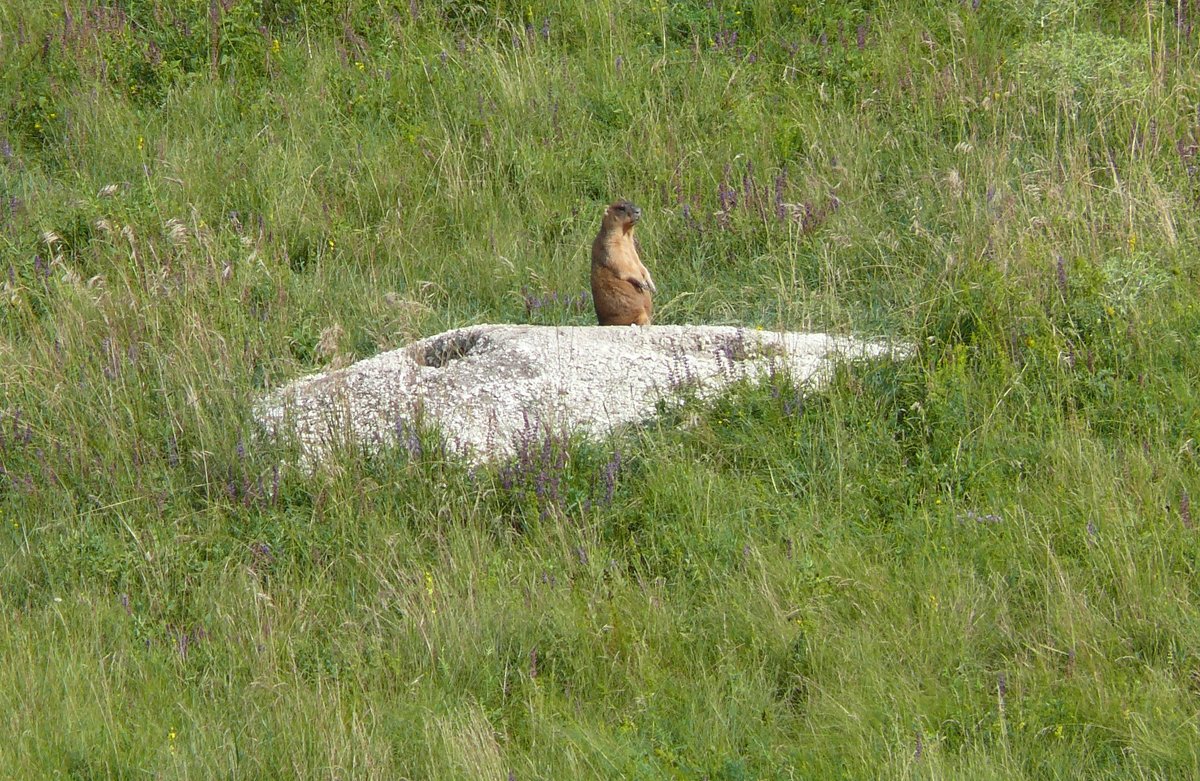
(487,386)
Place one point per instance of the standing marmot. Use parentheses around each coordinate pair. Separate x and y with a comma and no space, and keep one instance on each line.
(621,285)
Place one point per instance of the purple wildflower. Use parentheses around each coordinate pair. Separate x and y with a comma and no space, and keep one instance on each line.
(172,451)
(609,475)
(726,195)
(780,186)
(748,183)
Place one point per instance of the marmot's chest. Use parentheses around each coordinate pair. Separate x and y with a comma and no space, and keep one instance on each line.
(620,254)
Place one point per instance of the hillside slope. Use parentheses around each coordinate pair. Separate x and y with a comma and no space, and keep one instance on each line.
(979,563)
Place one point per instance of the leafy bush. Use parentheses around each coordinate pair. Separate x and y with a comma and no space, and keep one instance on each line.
(1044,17)
(1077,68)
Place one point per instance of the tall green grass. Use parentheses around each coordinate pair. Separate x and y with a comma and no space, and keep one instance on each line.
(977,563)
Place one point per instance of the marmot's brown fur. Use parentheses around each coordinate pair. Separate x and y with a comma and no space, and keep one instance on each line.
(621,285)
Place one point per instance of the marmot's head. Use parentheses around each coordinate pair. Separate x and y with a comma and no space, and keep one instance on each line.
(622,215)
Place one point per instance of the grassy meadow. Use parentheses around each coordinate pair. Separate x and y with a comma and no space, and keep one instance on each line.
(980,563)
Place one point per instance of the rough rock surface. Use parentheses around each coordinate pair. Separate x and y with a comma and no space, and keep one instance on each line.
(484,387)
